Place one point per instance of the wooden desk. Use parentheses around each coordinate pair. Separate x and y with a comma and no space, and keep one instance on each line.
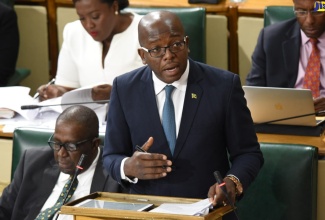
(82,213)
(3,134)
(318,142)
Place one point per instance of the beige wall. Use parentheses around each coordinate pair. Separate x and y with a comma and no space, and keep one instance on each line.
(33,50)
(248,30)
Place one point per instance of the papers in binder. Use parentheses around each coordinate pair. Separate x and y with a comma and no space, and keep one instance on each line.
(199,208)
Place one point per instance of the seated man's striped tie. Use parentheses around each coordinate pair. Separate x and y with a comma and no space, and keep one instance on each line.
(66,195)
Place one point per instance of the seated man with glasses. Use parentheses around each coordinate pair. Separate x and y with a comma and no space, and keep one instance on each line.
(291,54)
(43,172)
(186,115)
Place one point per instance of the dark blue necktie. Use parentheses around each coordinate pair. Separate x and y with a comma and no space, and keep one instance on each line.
(168,118)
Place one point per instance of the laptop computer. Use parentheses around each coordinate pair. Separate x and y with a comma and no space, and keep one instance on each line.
(270,105)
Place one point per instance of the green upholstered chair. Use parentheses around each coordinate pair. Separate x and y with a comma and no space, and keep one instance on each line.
(19,75)
(286,187)
(25,138)
(274,14)
(193,20)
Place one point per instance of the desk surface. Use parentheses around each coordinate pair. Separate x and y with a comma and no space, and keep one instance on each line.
(5,135)
(294,139)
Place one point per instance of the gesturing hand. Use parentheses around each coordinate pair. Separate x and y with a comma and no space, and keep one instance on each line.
(143,165)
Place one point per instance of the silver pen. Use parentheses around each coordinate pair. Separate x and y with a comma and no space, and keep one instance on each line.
(47,85)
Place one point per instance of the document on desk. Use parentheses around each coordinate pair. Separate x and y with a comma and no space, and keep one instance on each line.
(199,208)
(12,98)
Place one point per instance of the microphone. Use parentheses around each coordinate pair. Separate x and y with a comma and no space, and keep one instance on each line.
(292,117)
(79,168)
(221,183)
(24,107)
(76,173)
(223,188)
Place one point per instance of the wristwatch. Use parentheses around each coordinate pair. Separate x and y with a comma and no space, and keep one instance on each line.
(239,187)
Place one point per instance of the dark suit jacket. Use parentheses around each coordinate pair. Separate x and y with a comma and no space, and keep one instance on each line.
(9,43)
(276,56)
(34,180)
(215,120)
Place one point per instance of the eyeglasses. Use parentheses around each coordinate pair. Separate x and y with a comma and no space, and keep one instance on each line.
(161,51)
(304,13)
(68,146)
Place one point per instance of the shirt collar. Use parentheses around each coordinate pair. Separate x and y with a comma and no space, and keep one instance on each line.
(305,39)
(179,84)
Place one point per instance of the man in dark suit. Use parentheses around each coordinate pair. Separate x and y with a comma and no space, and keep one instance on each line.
(9,43)
(282,51)
(42,173)
(211,120)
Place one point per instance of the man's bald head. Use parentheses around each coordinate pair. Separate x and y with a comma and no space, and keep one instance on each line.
(156,23)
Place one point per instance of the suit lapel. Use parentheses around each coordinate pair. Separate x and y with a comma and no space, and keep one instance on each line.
(193,96)
(48,181)
(291,53)
(98,185)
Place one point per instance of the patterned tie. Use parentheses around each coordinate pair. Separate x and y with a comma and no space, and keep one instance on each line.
(311,79)
(49,213)
(168,118)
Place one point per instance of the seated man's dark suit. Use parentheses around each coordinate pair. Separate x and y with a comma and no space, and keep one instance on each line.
(276,56)
(34,180)
(215,121)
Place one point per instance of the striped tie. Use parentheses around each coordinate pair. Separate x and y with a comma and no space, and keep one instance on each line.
(49,213)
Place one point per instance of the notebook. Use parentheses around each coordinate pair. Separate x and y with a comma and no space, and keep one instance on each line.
(269,105)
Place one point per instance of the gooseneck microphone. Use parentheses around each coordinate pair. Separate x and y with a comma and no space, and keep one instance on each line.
(292,117)
(79,168)
(223,188)
(24,107)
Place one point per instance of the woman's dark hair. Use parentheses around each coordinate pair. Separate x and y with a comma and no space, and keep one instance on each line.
(121,3)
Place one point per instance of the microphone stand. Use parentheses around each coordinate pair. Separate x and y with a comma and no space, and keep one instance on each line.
(292,117)
(76,173)
(223,188)
(24,107)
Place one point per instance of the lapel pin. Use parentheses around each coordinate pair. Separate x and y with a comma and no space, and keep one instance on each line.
(194,96)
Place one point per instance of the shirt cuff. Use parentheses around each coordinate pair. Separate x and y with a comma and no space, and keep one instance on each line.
(123,177)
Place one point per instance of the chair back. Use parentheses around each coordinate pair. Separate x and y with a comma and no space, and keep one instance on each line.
(275,14)
(286,186)
(194,22)
(25,138)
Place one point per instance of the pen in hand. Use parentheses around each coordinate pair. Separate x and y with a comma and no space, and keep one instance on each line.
(138,148)
(47,85)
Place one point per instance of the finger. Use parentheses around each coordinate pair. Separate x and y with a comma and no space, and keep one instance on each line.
(146,146)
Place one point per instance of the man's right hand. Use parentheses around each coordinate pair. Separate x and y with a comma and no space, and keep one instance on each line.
(51,91)
(147,165)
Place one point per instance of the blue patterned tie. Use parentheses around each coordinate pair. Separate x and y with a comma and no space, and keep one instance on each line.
(168,118)
(49,213)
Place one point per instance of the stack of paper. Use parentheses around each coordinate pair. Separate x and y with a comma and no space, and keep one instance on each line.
(6,113)
(199,208)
